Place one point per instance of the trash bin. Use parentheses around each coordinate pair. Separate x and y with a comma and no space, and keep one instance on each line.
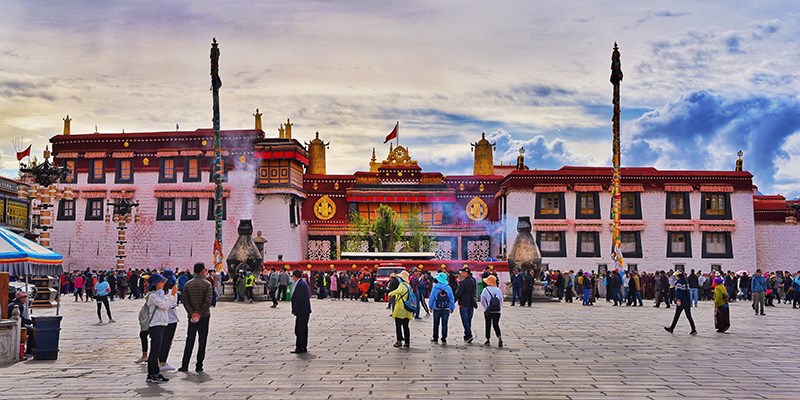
(46,331)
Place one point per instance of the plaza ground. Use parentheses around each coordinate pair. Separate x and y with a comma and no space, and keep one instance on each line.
(552,351)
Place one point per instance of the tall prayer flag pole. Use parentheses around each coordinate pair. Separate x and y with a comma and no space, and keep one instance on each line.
(216,83)
(616,78)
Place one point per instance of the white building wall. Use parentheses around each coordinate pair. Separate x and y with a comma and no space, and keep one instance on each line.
(777,246)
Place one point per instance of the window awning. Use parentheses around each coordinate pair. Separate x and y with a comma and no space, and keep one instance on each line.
(631,188)
(678,188)
(716,188)
(588,188)
(550,188)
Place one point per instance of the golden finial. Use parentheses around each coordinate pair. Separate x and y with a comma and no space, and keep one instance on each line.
(281,132)
(46,153)
(258,119)
(95,130)
(373,155)
(288,134)
(66,125)
(740,162)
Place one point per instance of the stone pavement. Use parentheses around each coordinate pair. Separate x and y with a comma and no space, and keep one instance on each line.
(553,351)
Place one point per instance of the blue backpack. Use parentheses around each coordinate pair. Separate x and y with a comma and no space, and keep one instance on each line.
(410,303)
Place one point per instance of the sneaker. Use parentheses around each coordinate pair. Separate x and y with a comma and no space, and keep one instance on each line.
(407,344)
(668,329)
(111,321)
(469,340)
(200,368)
(161,378)
(444,342)
(397,344)
(693,333)
(167,367)
(500,343)
(161,365)
(486,343)
(435,340)
(183,369)
(156,379)
(141,360)
(763,313)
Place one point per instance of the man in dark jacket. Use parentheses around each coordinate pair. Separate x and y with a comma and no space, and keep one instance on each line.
(615,282)
(465,297)
(197,294)
(662,290)
(301,309)
(682,303)
(516,287)
(694,285)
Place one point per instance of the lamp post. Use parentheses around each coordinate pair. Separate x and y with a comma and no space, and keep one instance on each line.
(43,193)
(123,207)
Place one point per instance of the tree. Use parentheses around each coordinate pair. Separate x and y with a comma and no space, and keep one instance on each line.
(387,229)
(419,238)
(360,230)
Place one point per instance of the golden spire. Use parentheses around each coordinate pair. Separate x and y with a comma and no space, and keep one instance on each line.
(46,153)
(66,125)
(373,163)
(739,162)
(95,130)
(281,132)
(316,156)
(288,132)
(521,159)
(258,119)
(484,157)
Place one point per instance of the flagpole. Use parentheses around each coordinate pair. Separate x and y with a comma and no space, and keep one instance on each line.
(398,133)
(616,235)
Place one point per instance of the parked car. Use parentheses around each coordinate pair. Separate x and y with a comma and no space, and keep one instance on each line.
(382,279)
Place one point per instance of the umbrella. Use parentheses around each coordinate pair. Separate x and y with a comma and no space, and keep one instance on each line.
(22,257)
(742,272)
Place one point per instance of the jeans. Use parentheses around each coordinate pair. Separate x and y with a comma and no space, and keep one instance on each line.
(201,328)
(693,296)
(492,319)
(156,338)
(639,297)
(166,344)
(516,294)
(568,295)
(444,317)
(687,308)
(744,292)
(248,292)
(617,296)
(301,331)
(273,295)
(586,296)
(466,320)
(403,332)
(758,302)
(103,300)
(143,337)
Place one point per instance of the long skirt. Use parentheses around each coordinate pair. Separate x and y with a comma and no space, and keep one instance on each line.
(722,318)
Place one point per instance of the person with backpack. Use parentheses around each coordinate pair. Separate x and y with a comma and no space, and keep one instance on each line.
(492,302)
(465,295)
(103,289)
(442,302)
(154,317)
(405,305)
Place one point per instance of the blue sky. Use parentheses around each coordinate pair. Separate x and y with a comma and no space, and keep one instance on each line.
(702,79)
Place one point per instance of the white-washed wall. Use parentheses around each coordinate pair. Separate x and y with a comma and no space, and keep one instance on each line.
(777,246)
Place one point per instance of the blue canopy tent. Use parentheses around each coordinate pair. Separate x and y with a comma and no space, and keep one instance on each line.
(22,257)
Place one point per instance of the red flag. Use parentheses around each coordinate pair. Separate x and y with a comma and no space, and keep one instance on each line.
(24,153)
(392,134)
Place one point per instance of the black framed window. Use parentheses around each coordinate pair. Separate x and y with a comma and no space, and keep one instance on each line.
(72,175)
(66,210)
(94,210)
(678,205)
(224,168)
(211,209)
(630,205)
(294,212)
(97,171)
(124,171)
(587,205)
(716,206)
(167,172)
(550,206)
(190,210)
(552,244)
(679,244)
(630,244)
(588,244)
(717,245)
(166,209)
(191,169)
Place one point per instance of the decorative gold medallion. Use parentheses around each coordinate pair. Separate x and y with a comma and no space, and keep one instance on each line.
(325,208)
(461,187)
(481,187)
(477,209)
(315,186)
(204,142)
(399,173)
(242,159)
(146,161)
(126,144)
(336,186)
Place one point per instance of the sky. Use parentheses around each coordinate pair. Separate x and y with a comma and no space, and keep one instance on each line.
(702,80)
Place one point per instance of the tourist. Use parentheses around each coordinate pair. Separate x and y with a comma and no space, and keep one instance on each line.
(465,296)
(682,303)
(393,283)
(249,284)
(103,289)
(344,285)
(21,301)
(78,286)
(88,285)
(301,309)
(516,286)
(788,282)
(662,289)
(364,281)
(197,302)
(122,284)
(442,302)
(157,303)
(722,316)
(615,283)
(694,285)
(744,285)
(421,292)
(402,316)
(528,282)
(731,285)
(633,288)
(587,288)
(334,286)
(133,284)
(283,283)
(172,321)
(758,287)
(795,290)
(274,285)
(492,302)
(239,282)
